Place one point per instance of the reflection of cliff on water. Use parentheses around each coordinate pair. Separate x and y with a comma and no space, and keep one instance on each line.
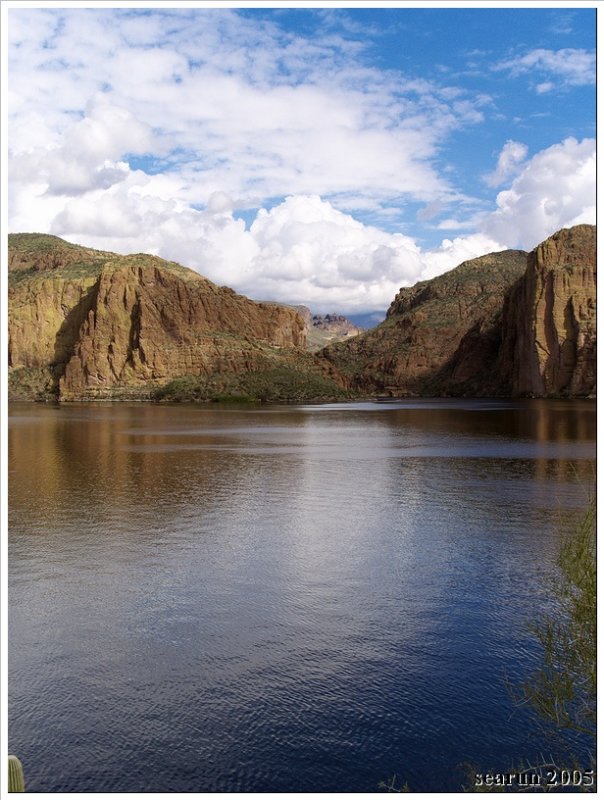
(536,422)
(110,463)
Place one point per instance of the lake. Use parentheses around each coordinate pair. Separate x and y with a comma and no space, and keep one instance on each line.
(310,598)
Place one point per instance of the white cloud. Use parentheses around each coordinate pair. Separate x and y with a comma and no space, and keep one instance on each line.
(546,86)
(84,158)
(301,251)
(236,113)
(556,189)
(232,104)
(304,250)
(452,252)
(508,163)
(571,67)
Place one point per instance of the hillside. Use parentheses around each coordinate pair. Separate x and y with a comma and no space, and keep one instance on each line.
(504,324)
(86,324)
(415,350)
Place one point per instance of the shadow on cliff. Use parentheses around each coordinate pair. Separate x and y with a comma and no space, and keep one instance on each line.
(475,369)
(68,336)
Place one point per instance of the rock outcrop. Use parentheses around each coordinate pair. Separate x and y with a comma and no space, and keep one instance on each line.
(549,319)
(99,325)
(147,325)
(505,324)
(440,336)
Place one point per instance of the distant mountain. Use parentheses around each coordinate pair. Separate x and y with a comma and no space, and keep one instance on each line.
(504,324)
(86,324)
(325,329)
(369,320)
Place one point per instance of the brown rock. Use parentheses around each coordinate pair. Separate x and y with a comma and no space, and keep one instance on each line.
(147,324)
(85,324)
(440,336)
(549,328)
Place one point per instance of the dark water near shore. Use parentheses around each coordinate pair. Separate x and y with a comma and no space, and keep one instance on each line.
(305,599)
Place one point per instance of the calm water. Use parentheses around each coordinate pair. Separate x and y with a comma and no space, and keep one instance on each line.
(305,599)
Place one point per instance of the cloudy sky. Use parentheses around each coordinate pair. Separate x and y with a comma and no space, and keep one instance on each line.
(323,156)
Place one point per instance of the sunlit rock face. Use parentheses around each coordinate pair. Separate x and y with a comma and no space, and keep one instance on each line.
(148,324)
(549,325)
(84,323)
(504,324)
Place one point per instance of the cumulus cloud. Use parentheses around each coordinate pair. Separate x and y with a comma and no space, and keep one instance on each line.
(556,188)
(86,157)
(305,241)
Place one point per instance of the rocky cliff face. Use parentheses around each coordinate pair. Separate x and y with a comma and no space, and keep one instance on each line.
(439,337)
(88,325)
(549,320)
(85,324)
(146,324)
(506,324)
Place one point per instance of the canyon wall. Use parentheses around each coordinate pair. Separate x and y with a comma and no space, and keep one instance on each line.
(85,324)
(505,324)
(549,319)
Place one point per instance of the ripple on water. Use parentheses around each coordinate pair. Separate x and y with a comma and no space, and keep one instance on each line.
(308,599)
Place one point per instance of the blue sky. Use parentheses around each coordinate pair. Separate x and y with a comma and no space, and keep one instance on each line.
(324,156)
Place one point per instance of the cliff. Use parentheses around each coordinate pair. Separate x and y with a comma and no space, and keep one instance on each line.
(505,324)
(90,325)
(549,319)
(440,336)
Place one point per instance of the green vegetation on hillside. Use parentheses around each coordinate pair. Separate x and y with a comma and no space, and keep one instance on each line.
(36,256)
(33,383)
(275,384)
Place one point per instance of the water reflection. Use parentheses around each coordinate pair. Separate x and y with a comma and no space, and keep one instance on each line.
(279,598)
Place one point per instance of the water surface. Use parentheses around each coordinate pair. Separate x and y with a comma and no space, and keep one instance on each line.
(312,599)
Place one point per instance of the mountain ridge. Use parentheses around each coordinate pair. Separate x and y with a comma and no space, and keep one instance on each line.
(87,324)
(484,328)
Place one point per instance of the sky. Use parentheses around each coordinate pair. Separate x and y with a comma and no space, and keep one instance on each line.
(321,156)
